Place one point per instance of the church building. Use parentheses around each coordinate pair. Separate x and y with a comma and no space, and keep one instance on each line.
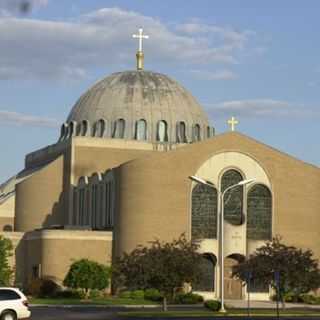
(118,176)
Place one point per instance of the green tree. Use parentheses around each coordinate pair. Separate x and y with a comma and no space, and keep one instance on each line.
(86,275)
(165,266)
(298,270)
(5,252)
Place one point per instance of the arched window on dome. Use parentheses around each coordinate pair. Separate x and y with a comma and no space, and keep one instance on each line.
(119,129)
(72,129)
(99,128)
(208,132)
(181,132)
(141,130)
(64,132)
(196,133)
(84,128)
(259,219)
(204,212)
(78,129)
(162,131)
(233,199)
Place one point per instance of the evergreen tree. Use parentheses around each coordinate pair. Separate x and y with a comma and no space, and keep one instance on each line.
(5,270)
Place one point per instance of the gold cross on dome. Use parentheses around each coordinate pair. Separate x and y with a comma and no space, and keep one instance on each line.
(232,123)
(140,36)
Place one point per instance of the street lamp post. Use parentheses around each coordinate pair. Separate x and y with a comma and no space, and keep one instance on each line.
(221,215)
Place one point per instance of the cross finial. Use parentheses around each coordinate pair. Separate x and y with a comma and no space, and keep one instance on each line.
(139,54)
(232,123)
(140,36)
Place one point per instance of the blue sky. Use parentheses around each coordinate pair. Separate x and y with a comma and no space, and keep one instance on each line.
(258,61)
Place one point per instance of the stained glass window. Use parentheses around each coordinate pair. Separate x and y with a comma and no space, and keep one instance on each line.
(204,212)
(205,282)
(259,224)
(233,199)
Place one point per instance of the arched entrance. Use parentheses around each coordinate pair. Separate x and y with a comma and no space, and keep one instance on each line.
(232,286)
(206,281)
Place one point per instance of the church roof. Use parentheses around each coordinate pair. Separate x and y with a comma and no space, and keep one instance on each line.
(133,96)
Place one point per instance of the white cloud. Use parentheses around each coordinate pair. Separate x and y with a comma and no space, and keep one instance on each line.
(214,75)
(258,108)
(15,118)
(53,49)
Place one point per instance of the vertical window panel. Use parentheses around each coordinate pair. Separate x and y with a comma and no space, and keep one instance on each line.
(233,199)
(204,212)
(259,203)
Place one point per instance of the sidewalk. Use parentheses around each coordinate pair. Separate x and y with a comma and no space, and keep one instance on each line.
(268,305)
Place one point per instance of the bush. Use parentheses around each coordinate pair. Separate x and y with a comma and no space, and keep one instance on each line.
(290,297)
(153,295)
(125,295)
(310,299)
(94,294)
(87,275)
(70,294)
(188,298)
(48,288)
(43,288)
(137,294)
(213,305)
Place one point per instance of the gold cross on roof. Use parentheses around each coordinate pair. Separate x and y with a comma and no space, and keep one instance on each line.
(232,123)
(140,36)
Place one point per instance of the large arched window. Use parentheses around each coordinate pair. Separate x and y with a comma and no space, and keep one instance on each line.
(181,132)
(204,212)
(196,133)
(119,129)
(259,224)
(100,128)
(162,131)
(205,282)
(141,130)
(233,199)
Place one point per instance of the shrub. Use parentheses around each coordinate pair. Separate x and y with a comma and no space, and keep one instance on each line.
(137,294)
(213,305)
(43,288)
(87,275)
(153,295)
(188,298)
(125,295)
(48,288)
(70,294)
(95,294)
(309,299)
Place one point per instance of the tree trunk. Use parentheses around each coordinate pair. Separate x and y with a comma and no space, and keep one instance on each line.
(86,294)
(164,304)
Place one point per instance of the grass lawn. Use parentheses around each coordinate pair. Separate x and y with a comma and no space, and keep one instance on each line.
(231,312)
(98,301)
